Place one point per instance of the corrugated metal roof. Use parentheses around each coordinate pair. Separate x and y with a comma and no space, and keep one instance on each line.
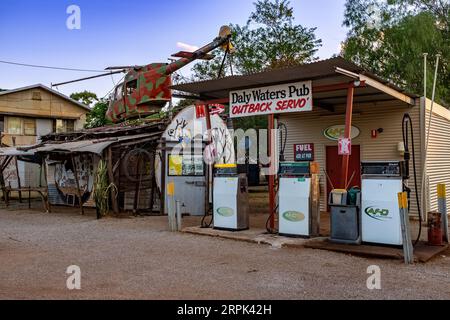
(321,73)
(11,151)
(83,146)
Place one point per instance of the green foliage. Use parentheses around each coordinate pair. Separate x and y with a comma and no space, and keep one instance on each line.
(97,116)
(85,97)
(389,37)
(184,103)
(269,40)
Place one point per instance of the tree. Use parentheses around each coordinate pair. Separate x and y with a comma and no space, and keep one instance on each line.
(85,97)
(269,40)
(389,37)
(97,116)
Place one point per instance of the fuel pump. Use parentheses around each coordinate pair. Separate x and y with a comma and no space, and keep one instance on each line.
(381,183)
(298,200)
(230,198)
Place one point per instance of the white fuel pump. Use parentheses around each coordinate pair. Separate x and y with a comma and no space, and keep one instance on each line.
(298,205)
(381,183)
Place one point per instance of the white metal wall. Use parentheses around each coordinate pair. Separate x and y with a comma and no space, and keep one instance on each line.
(438,157)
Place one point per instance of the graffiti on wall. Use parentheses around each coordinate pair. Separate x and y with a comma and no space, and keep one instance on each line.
(62,178)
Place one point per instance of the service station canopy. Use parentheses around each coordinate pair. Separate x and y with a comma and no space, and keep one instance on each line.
(326,81)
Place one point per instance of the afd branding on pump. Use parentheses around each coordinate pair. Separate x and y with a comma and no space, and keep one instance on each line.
(225,212)
(377,213)
(293,216)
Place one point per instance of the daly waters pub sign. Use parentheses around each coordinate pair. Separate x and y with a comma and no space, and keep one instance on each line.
(283,98)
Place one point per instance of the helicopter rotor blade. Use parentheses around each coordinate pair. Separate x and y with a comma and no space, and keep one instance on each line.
(87,78)
(123,67)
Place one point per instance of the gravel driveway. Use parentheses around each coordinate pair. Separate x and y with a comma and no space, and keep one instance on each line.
(136,258)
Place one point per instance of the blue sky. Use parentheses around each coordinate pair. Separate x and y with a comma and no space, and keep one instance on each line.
(122,32)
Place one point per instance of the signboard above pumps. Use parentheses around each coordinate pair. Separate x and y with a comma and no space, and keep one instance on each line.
(284,98)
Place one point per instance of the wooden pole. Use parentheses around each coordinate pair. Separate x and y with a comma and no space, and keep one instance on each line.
(2,178)
(152,184)
(138,185)
(271,121)
(109,165)
(162,205)
(75,173)
(47,199)
(209,190)
(17,171)
(347,134)
(404,221)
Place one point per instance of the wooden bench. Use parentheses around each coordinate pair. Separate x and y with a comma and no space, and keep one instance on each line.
(43,192)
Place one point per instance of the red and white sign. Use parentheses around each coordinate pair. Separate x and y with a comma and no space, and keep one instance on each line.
(200,110)
(345,147)
(284,98)
(216,108)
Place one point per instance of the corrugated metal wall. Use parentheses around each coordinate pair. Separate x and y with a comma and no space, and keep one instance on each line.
(438,158)
(308,127)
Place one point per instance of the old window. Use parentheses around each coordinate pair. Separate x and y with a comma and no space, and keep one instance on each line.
(36,95)
(29,127)
(62,126)
(70,125)
(119,91)
(14,125)
(2,124)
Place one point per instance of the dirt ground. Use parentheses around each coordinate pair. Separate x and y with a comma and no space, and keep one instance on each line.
(137,258)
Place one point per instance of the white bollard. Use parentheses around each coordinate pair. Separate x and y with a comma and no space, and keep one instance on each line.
(442,205)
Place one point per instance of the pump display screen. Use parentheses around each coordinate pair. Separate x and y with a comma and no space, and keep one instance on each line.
(393,168)
(294,168)
(226,171)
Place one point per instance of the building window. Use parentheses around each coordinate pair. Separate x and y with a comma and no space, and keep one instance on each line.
(21,126)
(29,127)
(70,125)
(14,125)
(187,165)
(2,124)
(63,126)
(36,95)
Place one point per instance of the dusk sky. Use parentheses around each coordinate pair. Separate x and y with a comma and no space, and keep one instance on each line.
(118,32)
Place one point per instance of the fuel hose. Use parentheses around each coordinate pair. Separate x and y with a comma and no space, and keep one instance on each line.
(407,130)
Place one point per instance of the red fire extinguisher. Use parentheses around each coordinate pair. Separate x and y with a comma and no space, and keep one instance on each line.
(435,229)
